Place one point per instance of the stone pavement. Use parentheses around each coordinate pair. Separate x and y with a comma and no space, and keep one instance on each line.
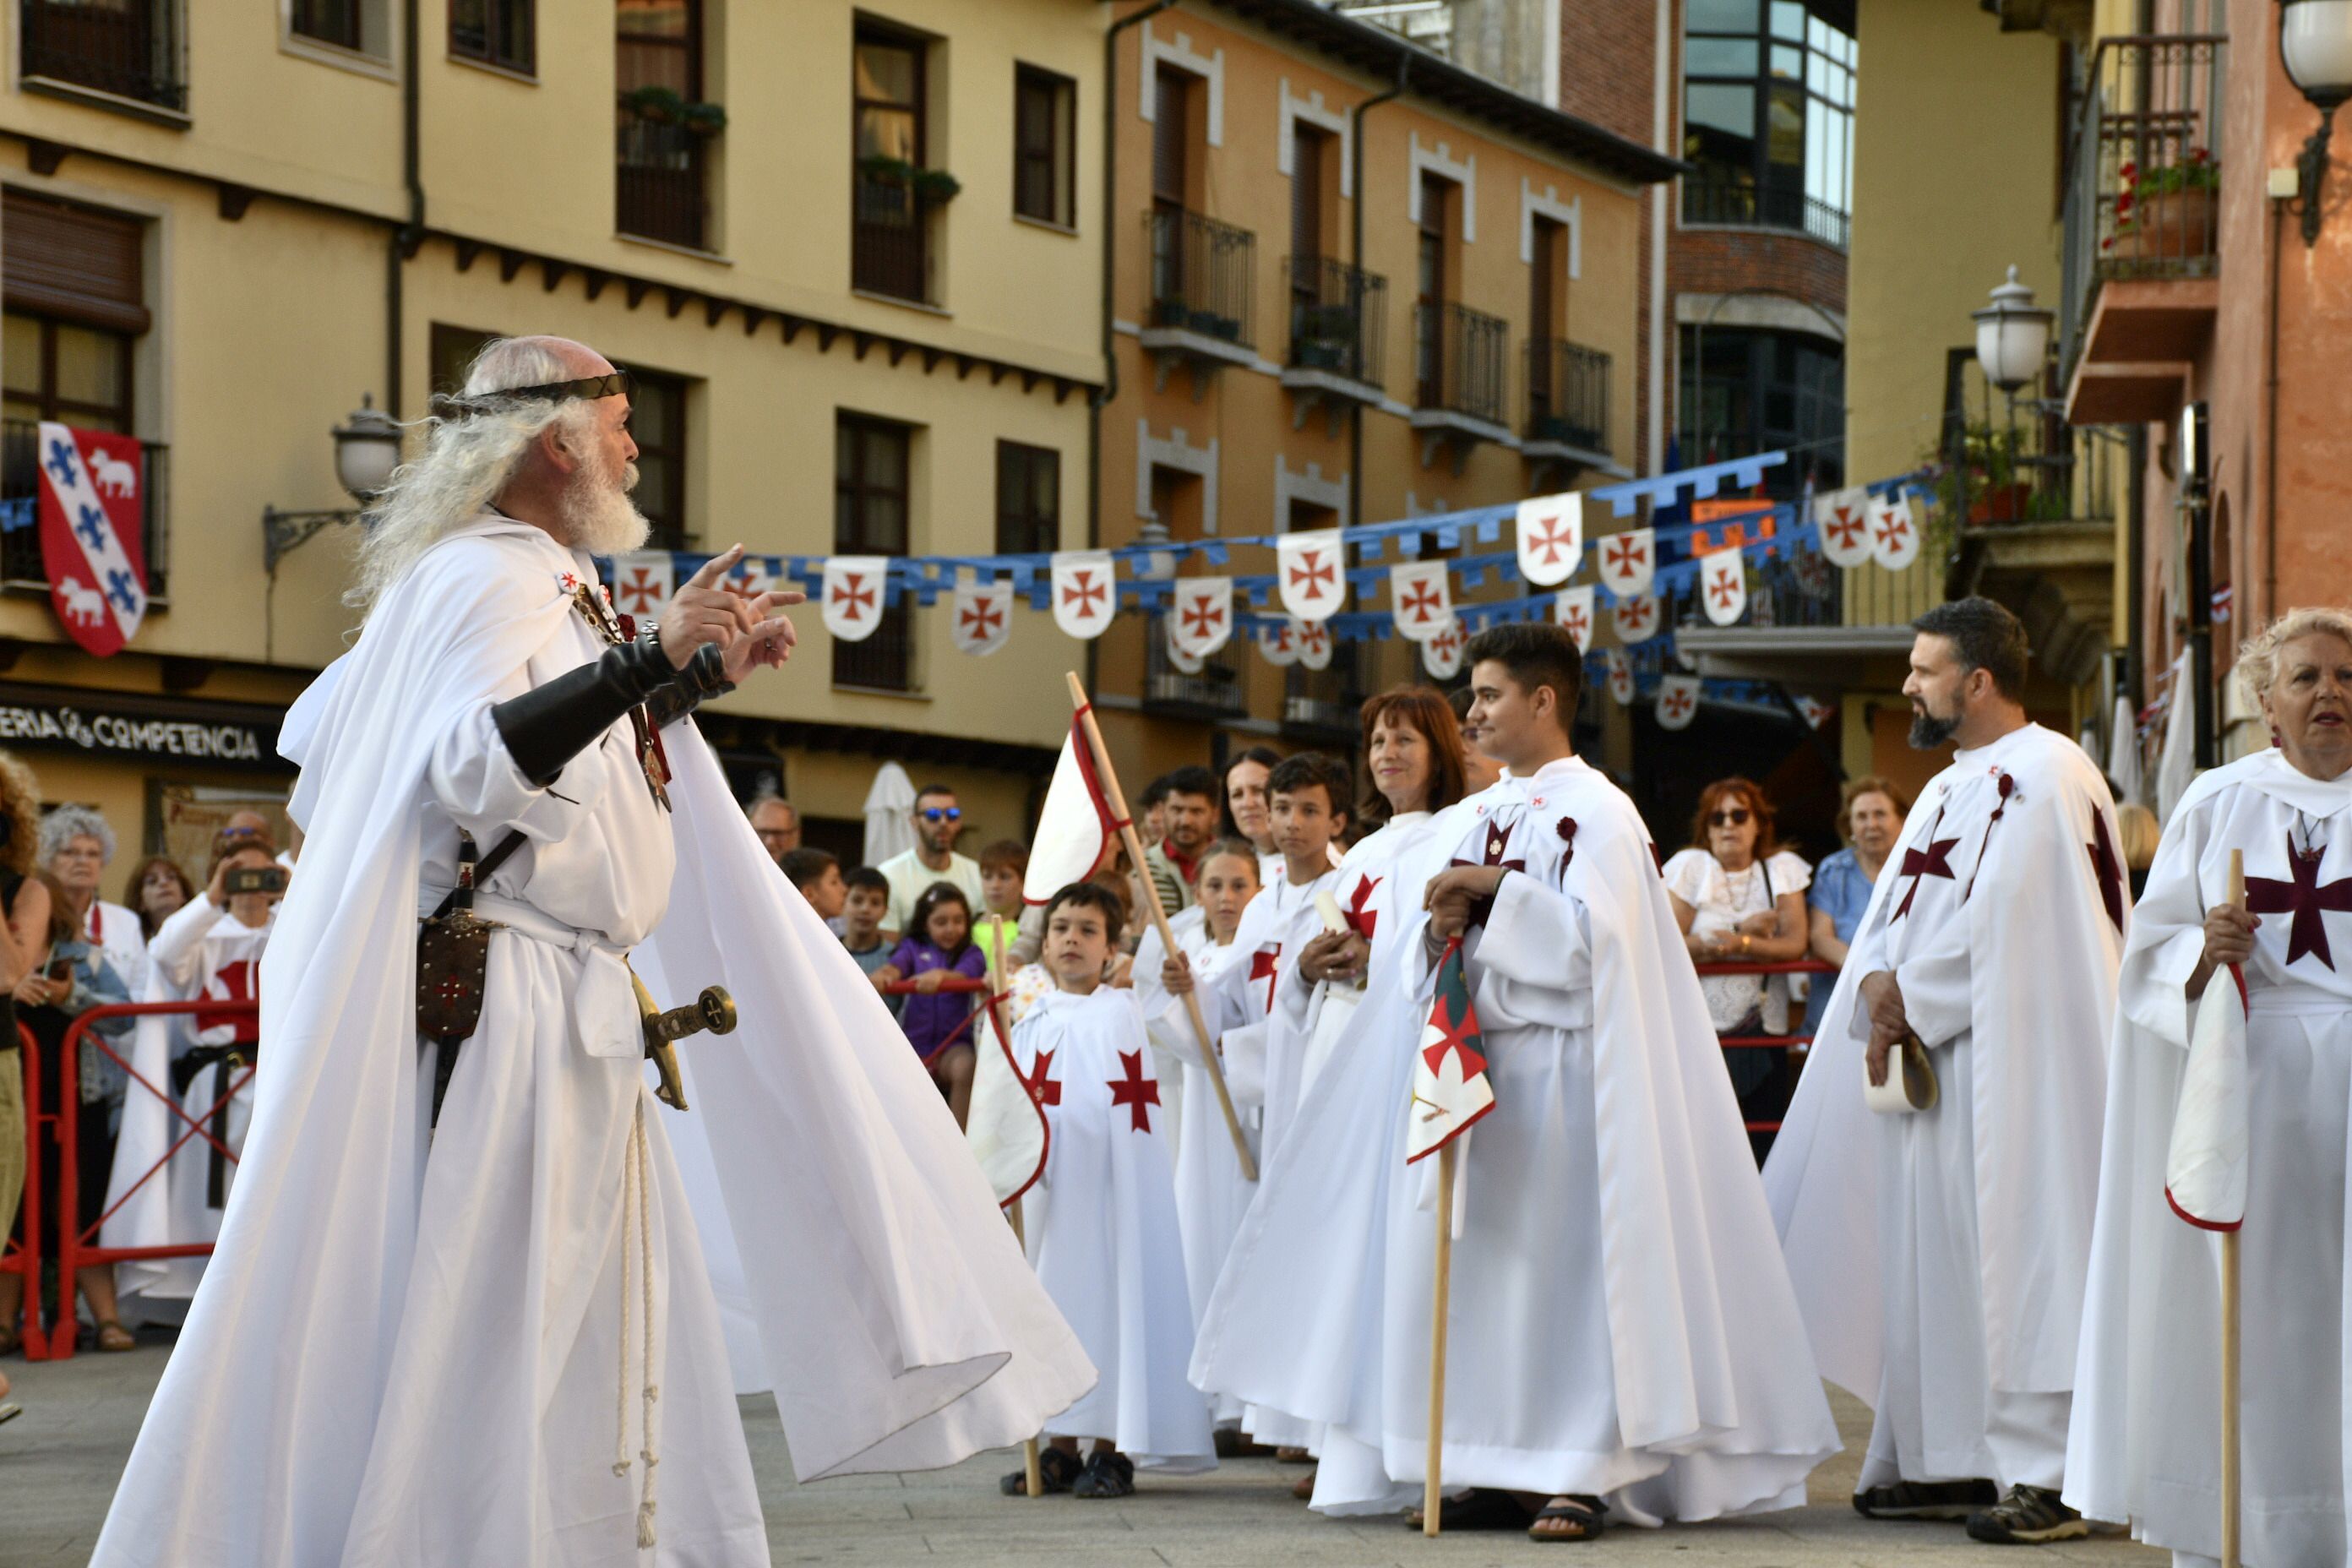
(60,1461)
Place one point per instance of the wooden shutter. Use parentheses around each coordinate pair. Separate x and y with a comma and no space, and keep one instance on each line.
(1171,121)
(58,259)
(1306,195)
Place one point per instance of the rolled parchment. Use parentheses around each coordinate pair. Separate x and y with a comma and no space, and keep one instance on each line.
(1910,1085)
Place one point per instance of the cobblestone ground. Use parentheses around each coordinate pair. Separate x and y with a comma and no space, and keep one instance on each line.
(60,1461)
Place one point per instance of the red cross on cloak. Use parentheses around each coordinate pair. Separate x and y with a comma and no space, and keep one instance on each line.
(1083,590)
(1421,601)
(1262,964)
(2307,897)
(1936,861)
(1043,1088)
(1497,844)
(1623,557)
(2107,868)
(1203,616)
(1359,917)
(1135,1092)
(238,982)
(1550,538)
(982,620)
(852,597)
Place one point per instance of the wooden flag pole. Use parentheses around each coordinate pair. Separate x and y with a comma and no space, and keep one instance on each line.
(1432,1483)
(1032,1477)
(1127,836)
(2231,1480)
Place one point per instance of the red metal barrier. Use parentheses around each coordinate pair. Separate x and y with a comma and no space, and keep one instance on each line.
(77,1245)
(1767,1042)
(953,984)
(26,1257)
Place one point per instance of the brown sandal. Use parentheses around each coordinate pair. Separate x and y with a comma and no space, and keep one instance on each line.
(1303,1488)
(114,1339)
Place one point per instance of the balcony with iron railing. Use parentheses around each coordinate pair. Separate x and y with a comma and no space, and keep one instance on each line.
(890,237)
(131,50)
(884,661)
(2141,223)
(1713,199)
(661,175)
(1325,706)
(1458,358)
(1217,690)
(1203,284)
(1337,325)
(1568,402)
(20,496)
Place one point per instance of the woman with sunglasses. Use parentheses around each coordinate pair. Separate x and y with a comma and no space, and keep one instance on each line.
(1740,898)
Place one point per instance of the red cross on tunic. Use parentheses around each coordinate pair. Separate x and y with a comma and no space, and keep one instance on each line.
(2307,897)
(1551,538)
(982,620)
(238,982)
(1359,917)
(1936,861)
(1043,1088)
(2107,868)
(1135,1092)
(1082,591)
(1262,968)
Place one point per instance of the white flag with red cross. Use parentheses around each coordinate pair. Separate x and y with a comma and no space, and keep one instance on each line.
(1201,621)
(1441,655)
(1086,591)
(1075,831)
(1844,519)
(1551,538)
(1278,639)
(1636,618)
(752,574)
(853,588)
(1420,598)
(1893,532)
(93,490)
(2205,1167)
(1315,646)
(983,617)
(1627,561)
(1723,586)
(1310,573)
(1451,1088)
(643,582)
(1814,711)
(1621,678)
(1572,607)
(1677,701)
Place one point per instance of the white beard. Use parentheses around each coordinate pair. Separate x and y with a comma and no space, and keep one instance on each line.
(597,512)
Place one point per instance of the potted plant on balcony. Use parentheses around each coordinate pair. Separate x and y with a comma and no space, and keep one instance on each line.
(1325,339)
(654,105)
(2166,213)
(1982,471)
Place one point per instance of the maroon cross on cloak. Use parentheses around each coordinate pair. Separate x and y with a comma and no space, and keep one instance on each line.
(1935,862)
(1361,919)
(1135,1092)
(1043,1088)
(1262,968)
(2108,869)
(2307,897)
(1498,840)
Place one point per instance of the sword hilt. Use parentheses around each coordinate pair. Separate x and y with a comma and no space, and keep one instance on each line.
(713,1011)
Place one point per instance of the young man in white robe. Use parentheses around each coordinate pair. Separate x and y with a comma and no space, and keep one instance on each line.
(1101,1221)
(1940,1256)
(2145,1444)
(471,1341)
(1212,1193)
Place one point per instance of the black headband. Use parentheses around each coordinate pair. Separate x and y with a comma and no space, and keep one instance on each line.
(617,383)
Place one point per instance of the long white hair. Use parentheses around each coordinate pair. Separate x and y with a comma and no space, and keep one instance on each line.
(472,445)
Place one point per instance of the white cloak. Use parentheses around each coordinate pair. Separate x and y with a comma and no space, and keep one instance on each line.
(1101,1229)
(2144,1444)
(1940,1257)
(404,1360)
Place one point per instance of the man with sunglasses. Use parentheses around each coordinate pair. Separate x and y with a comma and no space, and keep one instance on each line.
(937,821)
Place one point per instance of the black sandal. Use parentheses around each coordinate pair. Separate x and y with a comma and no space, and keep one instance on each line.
(1108,1475)
(1588,1514)
(1480,1507)
(1057,1472)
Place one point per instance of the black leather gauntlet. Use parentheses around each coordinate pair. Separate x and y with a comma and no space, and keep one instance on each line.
(704,677)
(549,726)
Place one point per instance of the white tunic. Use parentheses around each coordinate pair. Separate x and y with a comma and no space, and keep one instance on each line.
(2144,1446)
(1101,1228)
(204,951)
(1940,1257)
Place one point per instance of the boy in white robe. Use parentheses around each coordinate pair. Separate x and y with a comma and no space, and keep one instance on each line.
(1940,1257)
(1101,1221)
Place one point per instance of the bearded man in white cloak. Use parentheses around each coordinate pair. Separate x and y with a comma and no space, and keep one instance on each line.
(459,1312)
(1940,1256)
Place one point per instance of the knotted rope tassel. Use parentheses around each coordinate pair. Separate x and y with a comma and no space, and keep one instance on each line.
(636,1233)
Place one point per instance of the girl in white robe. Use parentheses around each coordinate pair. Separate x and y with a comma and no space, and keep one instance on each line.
(1100,1224)
(2145,1443)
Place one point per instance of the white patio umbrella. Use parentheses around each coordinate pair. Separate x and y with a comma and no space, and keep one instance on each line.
(889,827)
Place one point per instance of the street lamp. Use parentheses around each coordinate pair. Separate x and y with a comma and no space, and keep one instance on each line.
(2315,47)
(2013,333)
(367,449)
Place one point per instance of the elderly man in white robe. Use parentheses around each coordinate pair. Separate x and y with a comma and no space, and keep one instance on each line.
(2145,1446)
(463,1327)
(1940,1254)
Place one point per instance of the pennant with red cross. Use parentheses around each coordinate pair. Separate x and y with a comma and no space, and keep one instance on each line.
(1201,619)
(1723,586)
(1310,573)
(1893,532)
(853,595)
(1621,676)
(983,616)
(1278,639)
(1086,591)
(1180,658)
(1551,538)
(643,582)
(1844,519)
(1636,618)
(1627,561)
(1573,607)
(1677,701)
(1315,646)
(1420,598)
(1451,1089)
(1441,653)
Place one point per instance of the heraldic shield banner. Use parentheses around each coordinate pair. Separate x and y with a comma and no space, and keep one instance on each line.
(93,496)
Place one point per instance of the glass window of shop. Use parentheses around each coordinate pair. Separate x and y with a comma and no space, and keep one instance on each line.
(1745,390)
(1767,114)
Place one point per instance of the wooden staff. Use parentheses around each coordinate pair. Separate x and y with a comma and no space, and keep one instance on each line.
(1033,1477)
(2230,1476)
(1127,836)
(1432,1483)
